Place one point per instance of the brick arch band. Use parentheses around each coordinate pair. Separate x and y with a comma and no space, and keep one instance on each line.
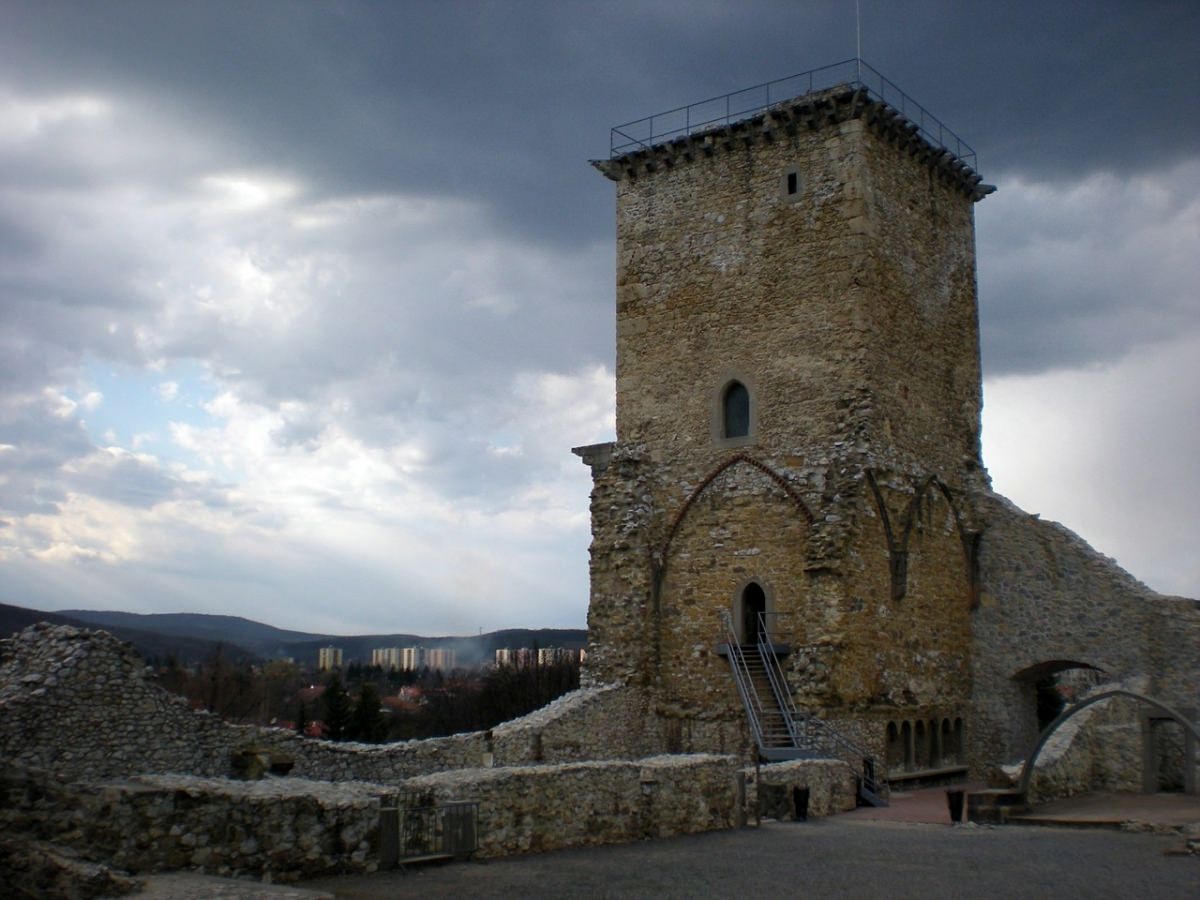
(660,560)
(897,545)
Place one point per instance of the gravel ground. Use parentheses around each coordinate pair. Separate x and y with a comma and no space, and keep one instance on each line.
(836,857)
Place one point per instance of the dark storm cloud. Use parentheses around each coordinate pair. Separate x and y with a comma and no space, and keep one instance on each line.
(505,102)
(1083,272)
(370,230)
(498,106)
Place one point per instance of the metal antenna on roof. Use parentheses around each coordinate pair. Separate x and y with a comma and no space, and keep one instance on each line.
(857,42)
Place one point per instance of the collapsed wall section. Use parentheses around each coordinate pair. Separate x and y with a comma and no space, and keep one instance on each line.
(1049,602)
(82,704)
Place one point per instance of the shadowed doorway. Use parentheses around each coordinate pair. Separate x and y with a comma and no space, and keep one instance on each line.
(754,602)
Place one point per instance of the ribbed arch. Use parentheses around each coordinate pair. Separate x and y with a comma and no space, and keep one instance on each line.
(898,542)
(706,482)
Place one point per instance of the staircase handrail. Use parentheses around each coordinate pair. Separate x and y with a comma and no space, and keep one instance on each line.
(779,685)
(741,677)
(874,774)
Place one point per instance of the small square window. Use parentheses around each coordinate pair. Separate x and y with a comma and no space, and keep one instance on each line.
(790,186)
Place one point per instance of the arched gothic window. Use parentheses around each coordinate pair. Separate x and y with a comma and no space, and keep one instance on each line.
(735,407)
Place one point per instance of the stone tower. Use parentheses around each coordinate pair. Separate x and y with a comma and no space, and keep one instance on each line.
(823,256)
(798,400)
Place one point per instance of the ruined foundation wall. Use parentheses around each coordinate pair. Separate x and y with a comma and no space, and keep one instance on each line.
(538,808)
(1100,748)
(831,785)
(81,704)
(292,828)
(1049,598)
(288,827)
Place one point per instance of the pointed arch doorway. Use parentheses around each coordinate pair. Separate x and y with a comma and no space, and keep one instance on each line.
(754,604)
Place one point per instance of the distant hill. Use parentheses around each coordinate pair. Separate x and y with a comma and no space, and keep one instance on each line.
(261,640)
(192,637)
(151,644)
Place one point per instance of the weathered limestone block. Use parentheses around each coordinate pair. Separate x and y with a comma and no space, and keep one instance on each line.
(536,808)
(830,785)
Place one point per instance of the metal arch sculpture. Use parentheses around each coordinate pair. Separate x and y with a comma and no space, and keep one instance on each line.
(1031,759)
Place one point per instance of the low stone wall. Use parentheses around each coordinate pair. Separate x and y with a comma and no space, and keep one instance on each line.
(831,786)
(292,827)
(288,827)
(102,760)
(58,682)
(597,723)
(535,808)
(36,869)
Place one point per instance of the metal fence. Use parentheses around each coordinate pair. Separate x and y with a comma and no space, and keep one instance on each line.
(728,108)
(416,830)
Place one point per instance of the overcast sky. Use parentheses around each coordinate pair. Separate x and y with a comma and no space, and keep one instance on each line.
(302,305)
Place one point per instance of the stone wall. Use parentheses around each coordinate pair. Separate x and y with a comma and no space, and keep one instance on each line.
(831,785)
(718,548)
(1048,601)
(847,309)
(82,704)
(537,808)
(1100,748)
(290,828)
(286,827)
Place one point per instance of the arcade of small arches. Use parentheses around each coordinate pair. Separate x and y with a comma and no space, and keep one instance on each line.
(915,745)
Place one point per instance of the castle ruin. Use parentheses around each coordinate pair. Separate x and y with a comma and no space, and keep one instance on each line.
(797,482)
(797,558)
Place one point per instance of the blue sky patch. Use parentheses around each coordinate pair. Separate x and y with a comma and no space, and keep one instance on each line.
(138,405)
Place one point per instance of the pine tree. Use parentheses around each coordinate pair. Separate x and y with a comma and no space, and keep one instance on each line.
(367,723)
(337,710)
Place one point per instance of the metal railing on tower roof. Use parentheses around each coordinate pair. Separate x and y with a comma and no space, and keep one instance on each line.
(734,107)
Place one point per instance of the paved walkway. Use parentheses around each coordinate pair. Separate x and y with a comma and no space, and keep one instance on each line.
(1107,809)
(906,850)
(1151,812)
(928,805)
(842,857)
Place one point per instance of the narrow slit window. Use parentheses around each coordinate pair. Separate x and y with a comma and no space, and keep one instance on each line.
(736,408)
(793,183)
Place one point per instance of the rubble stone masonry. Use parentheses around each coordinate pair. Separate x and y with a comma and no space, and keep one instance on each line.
(822,255)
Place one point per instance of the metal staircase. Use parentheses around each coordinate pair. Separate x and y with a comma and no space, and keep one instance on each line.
(780,731)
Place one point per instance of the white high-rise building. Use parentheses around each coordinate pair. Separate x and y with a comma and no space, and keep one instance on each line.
(441,659)
(387,658)
(411,658)
(329,658)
